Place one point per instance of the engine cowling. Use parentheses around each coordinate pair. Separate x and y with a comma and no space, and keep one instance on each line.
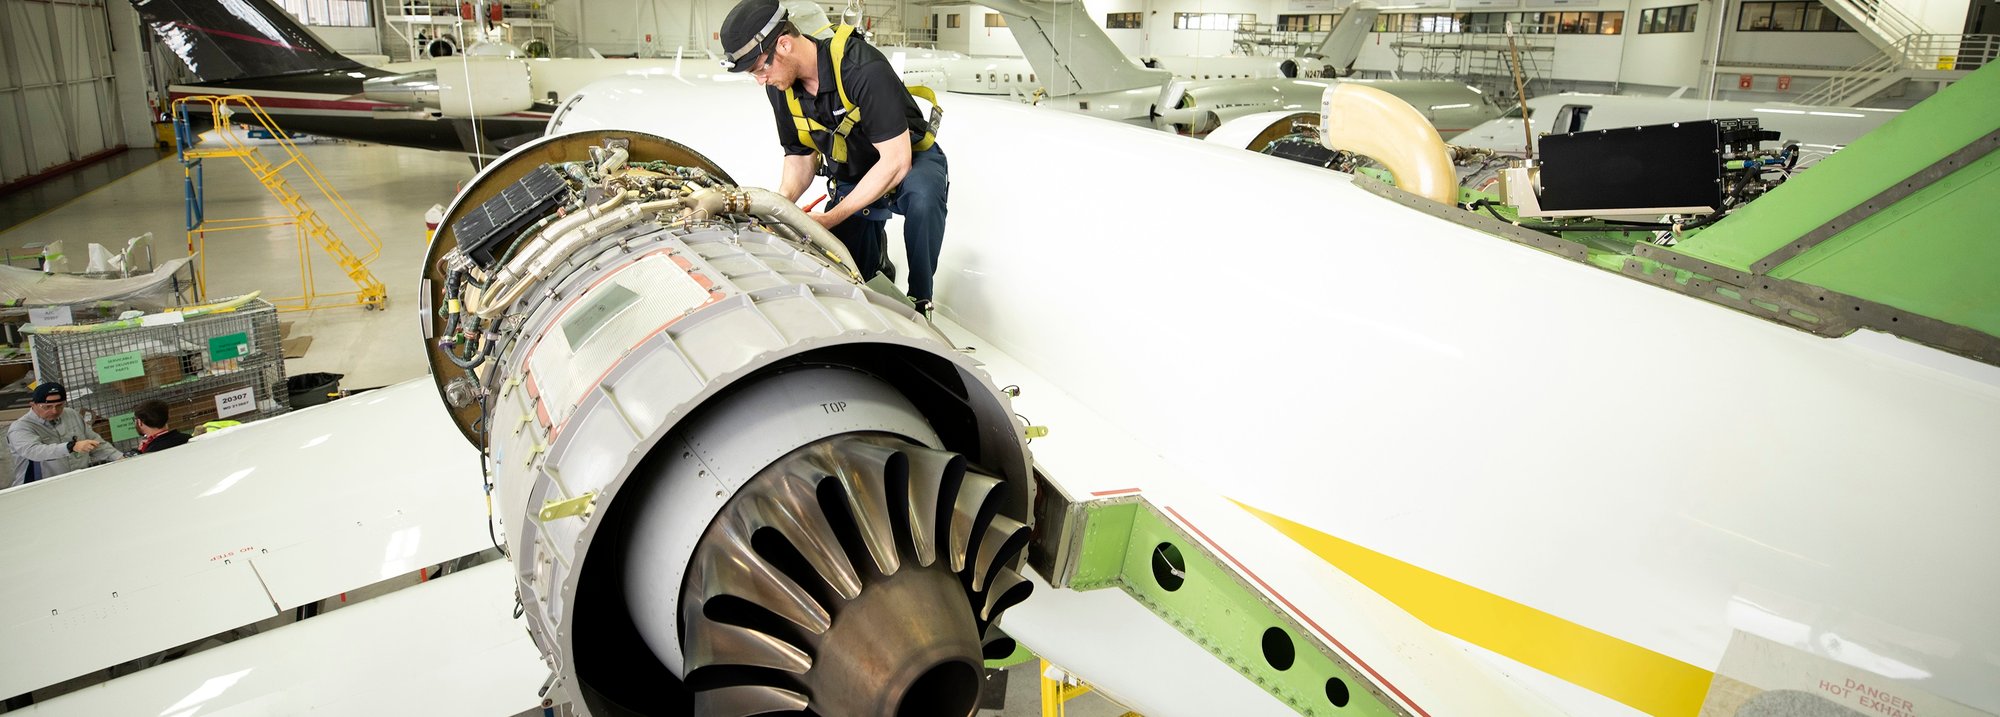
(732,478)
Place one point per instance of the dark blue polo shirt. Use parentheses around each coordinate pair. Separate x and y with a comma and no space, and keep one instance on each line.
(879,95)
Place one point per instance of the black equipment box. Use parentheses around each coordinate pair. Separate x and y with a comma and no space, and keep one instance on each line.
(1655,166)
(503,217)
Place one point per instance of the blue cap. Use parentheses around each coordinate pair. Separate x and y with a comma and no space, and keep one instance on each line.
(47,391)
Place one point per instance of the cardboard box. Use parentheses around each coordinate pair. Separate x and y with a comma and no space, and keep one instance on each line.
(188,414)
(160,371)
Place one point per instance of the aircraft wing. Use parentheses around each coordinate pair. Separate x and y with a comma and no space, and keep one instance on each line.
(143,555)
(449,647)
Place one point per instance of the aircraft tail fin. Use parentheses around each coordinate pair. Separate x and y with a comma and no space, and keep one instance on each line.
(1071,53)
(236,39)
(1343,43)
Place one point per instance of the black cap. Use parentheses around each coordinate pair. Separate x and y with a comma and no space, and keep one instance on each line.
(749,31)
(47,391)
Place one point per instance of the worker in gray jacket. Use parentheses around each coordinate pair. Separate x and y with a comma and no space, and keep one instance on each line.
(53,439)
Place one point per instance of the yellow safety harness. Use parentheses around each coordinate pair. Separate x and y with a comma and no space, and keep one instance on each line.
(838,136)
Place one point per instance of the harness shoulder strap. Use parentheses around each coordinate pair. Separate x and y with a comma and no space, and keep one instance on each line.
(804,125)
(840,37)
(840,132)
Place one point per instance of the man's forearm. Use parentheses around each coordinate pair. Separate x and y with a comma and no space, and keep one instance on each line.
(797,176)
(880,178)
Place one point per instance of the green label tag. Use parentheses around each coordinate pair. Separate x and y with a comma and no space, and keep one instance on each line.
(118,367)
(224,348)
(124,427)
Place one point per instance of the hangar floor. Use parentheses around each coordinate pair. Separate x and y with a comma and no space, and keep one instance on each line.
(390,188)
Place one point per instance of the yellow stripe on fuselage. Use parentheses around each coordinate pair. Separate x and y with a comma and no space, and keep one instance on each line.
(1643,679)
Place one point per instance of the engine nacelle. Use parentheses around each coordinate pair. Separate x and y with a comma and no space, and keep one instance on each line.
(483,87)
(459,87)
(732,478)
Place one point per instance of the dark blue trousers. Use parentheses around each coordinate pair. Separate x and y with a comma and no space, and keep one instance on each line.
(921,200)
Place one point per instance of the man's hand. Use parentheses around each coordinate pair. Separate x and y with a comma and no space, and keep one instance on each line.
(825,219)
(86,445)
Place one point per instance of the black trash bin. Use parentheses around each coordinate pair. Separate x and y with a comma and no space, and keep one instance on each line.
(311,389)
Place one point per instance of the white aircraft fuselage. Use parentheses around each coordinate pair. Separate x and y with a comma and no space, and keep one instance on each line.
(1453,401)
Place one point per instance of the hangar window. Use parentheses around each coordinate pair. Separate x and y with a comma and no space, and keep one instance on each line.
(994,19)
(952,21)
(1789,17)
(1321,22)
(1526,23)
(1679,18)
(1122,21)
(331,13)
(1228,21)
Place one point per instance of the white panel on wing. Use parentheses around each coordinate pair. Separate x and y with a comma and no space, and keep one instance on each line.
(310,503)
(140,620)
(449,646)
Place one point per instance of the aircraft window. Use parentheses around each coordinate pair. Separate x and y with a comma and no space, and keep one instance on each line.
(1169,568)
(1278,650)
(1571,119)
(1514,112)
(1336,692)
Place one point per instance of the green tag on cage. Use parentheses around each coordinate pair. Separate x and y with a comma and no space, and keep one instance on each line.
(118,367)
(229,346)
(124,427)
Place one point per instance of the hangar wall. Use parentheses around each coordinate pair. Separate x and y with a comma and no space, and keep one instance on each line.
(71,85)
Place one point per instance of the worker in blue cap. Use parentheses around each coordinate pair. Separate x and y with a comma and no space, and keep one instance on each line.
(53,438)
(840,101)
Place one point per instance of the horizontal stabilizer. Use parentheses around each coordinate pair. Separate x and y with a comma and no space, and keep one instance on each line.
(238,39)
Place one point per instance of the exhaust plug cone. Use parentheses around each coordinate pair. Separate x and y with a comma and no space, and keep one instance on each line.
(906,647)
(859,576)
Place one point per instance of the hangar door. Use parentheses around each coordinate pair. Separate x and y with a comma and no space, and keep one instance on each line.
(58,103)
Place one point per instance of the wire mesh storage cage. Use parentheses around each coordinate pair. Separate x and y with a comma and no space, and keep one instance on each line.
(220,365)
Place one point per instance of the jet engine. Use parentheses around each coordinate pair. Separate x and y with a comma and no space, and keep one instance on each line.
(459,88)
(733,479)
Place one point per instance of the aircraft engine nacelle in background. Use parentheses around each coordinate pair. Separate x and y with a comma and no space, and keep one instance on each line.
(484,87)
(731,476)
(460,87)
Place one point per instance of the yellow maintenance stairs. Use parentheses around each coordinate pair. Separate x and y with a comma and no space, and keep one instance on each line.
(311,229)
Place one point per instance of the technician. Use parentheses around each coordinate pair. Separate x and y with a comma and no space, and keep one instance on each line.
(840,100)
(53,439)
(151,420)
